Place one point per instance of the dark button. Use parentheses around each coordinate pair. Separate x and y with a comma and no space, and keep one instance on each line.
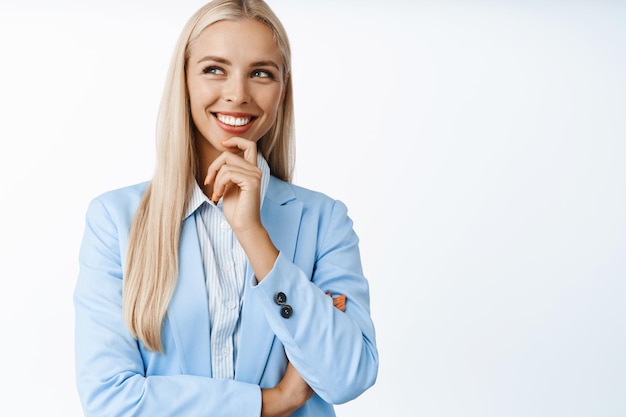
(280,298)
(286,311)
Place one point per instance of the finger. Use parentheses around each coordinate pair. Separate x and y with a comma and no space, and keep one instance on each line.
(248,147)
(244,178)
(222,180)
(230,159)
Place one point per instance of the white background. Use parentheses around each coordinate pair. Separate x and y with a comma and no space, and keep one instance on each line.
(479,145)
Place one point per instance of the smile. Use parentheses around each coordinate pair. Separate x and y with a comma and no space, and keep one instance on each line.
(233,121)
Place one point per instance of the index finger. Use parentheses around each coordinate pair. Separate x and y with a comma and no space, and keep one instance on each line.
(247,146)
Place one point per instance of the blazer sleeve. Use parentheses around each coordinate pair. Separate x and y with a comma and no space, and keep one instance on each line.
(334,351)
(110,372)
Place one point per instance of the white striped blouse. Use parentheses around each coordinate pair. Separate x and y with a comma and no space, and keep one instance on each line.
(224,269)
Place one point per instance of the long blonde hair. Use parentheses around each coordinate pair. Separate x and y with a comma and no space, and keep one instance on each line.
(151,268)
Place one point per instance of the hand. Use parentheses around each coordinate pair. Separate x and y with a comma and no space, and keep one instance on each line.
(236,178)
(296,387)
(290,394)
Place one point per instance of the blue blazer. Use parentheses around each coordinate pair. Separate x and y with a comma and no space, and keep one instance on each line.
(334,351)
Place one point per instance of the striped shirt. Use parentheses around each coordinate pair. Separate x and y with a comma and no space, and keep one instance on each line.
(224,269)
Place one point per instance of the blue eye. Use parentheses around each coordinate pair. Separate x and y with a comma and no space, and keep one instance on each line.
(213,70)
(262,74)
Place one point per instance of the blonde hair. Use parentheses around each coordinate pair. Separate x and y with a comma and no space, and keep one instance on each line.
(151,268)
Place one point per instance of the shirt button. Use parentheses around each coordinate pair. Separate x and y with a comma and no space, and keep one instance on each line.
(224,351)
(286,311)
(280,298)
(232,305)
(224,225)
(226,268)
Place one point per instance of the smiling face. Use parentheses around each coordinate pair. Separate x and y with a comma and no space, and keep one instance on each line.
(235,81)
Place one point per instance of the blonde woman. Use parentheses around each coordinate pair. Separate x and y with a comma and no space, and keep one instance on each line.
(219,288)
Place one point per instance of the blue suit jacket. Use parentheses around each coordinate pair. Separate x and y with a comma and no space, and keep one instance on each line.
(334,351)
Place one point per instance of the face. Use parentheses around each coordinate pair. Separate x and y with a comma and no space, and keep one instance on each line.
(235,81)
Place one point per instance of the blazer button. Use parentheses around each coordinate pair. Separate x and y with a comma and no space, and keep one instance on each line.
(280,298)
(286,311)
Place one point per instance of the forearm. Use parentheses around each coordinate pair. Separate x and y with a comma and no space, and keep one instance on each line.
(166,396)
(275,404)
(114,380)
(287,396)
(259,249)
(334,351)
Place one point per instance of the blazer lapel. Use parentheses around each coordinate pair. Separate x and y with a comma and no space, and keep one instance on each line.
(189,308)
(280,215)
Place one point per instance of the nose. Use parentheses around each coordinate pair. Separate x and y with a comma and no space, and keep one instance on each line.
(236,90)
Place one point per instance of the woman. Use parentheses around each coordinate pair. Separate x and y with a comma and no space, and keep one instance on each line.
(205,292)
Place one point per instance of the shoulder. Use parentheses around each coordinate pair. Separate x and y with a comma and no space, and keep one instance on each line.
(119,205)
(314,204)
(107,222)
(124,195)
(283,192)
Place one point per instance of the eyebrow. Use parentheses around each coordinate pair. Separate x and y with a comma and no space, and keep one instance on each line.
(215,58)
(267,63)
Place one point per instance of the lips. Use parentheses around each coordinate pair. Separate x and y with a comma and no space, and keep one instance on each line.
(236,123)
(232,120)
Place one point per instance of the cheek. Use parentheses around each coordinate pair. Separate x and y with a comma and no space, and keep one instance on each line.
(199,99)
(197,110)
(194,95)
(273,102)
(194,108)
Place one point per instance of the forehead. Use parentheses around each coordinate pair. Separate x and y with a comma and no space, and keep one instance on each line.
(242,39)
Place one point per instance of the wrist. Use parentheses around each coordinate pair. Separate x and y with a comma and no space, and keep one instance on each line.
(276,402)
(296,395)
(260,250)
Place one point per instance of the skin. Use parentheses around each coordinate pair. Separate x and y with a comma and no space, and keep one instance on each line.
(235,69)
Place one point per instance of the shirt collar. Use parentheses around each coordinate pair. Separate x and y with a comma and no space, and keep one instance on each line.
(198,197)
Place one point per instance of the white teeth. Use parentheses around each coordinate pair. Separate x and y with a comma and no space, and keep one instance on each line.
(233,121)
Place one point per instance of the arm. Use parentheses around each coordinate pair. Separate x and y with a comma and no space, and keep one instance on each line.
(110,370)
(290,394)
(334,351)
